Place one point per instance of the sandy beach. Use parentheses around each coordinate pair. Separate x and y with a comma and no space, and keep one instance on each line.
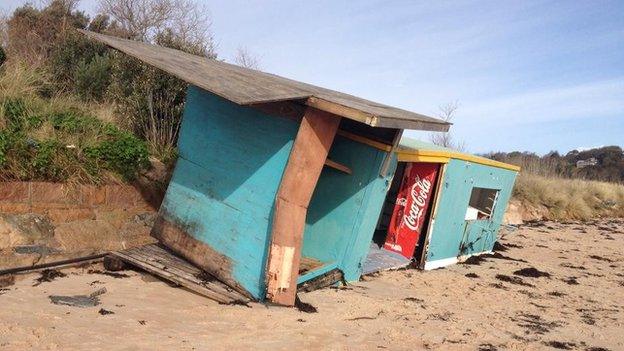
(549,286)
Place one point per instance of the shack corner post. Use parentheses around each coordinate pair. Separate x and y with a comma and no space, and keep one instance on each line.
(307,158)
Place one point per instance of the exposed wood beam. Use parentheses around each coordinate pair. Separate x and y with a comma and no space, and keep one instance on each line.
(307,157)
(337,166)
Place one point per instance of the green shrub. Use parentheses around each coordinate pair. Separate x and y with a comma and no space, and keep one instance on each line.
(4,146)
(43,160)
(121,152)
(14,112)
(72,65)
(73,122)
(65,144)
(92,78)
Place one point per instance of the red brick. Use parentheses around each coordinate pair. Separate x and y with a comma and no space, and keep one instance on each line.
(54,193)
(14,192)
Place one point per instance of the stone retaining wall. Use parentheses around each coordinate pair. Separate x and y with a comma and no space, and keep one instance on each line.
(67,202)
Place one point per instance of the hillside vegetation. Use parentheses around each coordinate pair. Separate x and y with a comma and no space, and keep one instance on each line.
(602,164)
(60,138)
(553,187)
(568,199)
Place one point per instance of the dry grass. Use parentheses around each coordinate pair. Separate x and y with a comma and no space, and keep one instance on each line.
(570,198)
(29,82)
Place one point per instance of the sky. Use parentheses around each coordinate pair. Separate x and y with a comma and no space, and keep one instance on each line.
(526,75)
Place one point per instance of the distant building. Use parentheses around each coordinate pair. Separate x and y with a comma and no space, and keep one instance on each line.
(589,162)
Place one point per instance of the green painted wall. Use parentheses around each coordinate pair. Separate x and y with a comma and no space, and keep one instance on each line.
(452,235)
(231,161)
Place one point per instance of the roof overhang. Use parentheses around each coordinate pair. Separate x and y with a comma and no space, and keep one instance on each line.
(251,87)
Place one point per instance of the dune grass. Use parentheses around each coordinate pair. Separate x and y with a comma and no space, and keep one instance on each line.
(568,199)
(45,135)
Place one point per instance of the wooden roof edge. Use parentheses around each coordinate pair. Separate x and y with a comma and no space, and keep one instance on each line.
(376,121)
(407,155)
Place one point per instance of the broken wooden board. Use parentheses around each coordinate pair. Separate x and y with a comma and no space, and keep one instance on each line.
(330,278)
(159,261)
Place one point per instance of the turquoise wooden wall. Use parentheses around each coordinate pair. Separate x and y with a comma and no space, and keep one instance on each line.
(452,236)
(345,208)
(231,161)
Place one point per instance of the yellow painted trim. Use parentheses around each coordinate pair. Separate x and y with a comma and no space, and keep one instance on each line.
(367,141)
(428,156)
(404,154)
(420,158)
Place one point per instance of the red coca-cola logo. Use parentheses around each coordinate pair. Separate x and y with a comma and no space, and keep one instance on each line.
(419,194)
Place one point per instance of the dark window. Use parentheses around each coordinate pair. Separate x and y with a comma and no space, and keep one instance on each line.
(482,202)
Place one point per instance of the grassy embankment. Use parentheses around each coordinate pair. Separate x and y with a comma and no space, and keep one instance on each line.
(539,186)
(56,137)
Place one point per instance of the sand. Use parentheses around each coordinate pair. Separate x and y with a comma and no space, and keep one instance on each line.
(482,306)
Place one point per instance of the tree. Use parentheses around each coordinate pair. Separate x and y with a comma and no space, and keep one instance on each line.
(246,59)
(33,33)
(447,113)
(145,20)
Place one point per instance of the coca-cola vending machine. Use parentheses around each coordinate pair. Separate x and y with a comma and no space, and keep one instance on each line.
(411,208)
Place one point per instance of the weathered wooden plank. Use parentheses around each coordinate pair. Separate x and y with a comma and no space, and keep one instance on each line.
(338,166)
(173,278)
(307,157)
(173,264)
(162,263)
(330,278)
(184,272)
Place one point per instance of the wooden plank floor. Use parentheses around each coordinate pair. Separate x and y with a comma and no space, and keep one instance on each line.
(159,261)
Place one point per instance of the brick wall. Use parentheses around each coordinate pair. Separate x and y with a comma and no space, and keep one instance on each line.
(67,202)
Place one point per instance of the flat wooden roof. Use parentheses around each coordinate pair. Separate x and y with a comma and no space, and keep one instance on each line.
(412,150)
(246,86)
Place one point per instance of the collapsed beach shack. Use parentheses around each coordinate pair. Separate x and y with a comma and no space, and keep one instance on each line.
(442,207)
(277,182)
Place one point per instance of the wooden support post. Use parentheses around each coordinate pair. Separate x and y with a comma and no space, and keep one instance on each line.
(386,162)
(314,138)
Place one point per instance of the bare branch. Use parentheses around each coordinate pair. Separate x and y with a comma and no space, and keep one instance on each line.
(144,20)
(246,59)
(447,113)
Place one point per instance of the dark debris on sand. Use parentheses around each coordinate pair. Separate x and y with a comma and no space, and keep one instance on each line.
(104,312)
(304,306)
(48,275)
(531,272)
(110,274)
(562,345)
(513,280)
